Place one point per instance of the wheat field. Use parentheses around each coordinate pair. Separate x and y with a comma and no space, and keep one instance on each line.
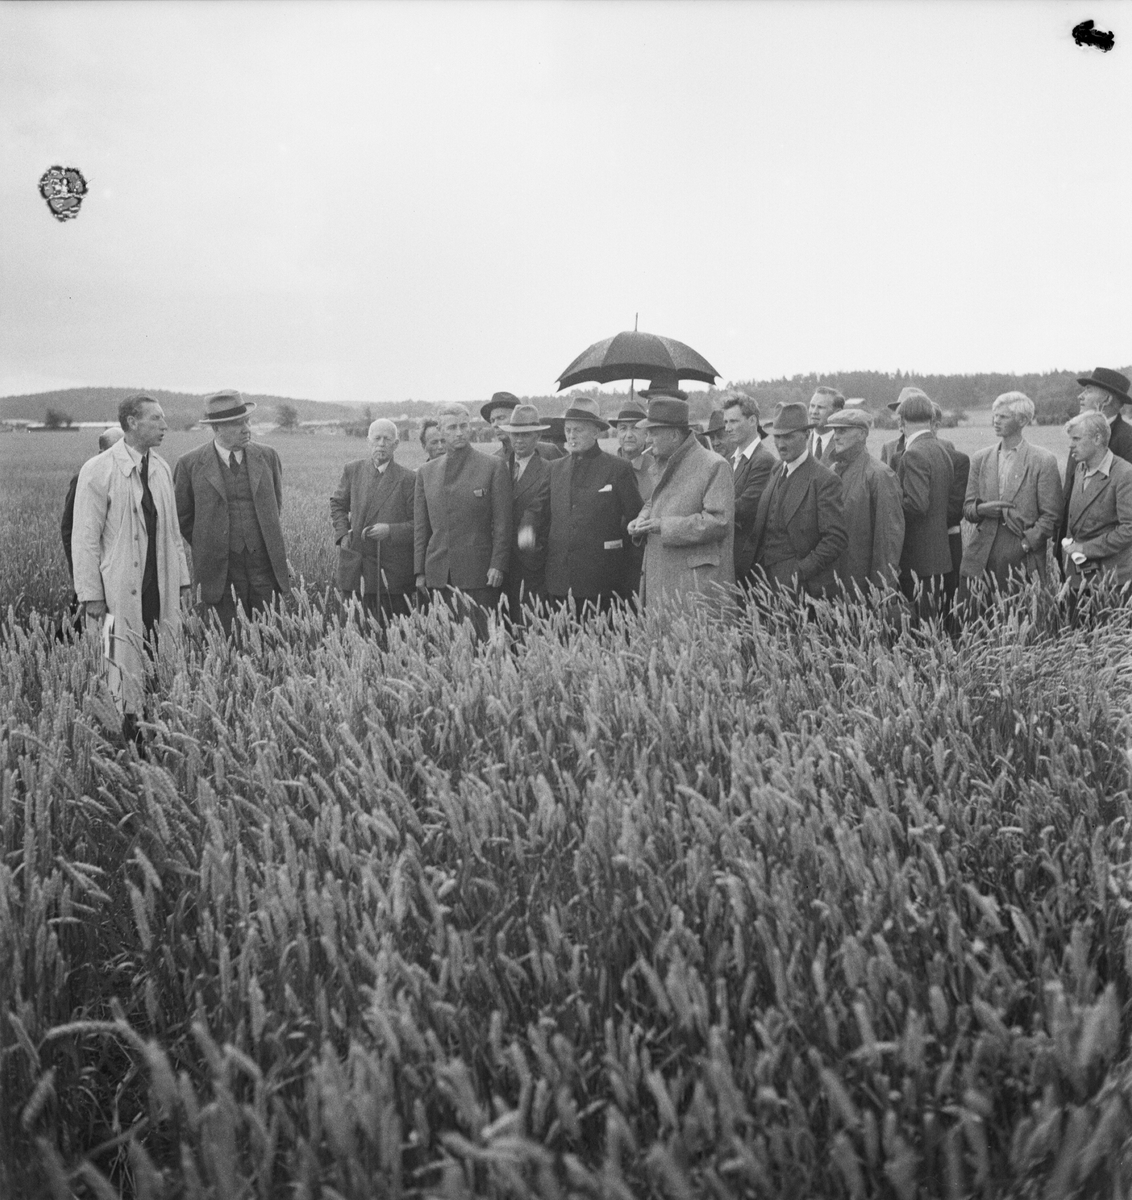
(667,906)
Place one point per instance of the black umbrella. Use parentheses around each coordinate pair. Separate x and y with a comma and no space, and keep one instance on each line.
(634,355)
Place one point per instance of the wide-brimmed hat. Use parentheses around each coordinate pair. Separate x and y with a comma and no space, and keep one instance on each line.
(715,422)
(666,414)
(524,419)
(790,418)
(498,400)
(632,415)
(661,391)
(1111,381)
(228,405)
(574,413)
(849,418)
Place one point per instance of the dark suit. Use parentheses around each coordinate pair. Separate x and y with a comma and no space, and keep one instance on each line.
(67,524)
(799,530)
(593,497)
(530,508)
(926,474)
(380,571)
(751,477)
(202,510)
(462,527)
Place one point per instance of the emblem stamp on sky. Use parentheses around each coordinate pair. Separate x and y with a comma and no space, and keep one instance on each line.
(63,188)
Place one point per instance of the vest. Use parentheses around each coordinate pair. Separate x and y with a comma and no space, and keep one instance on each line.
(244,535)
(777,547)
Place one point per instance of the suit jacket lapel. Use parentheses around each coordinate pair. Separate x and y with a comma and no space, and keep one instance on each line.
(994,484)
(213,469)
(255,468)
(796,487)
(1088,501)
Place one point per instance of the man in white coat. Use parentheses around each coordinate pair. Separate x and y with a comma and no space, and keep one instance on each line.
(130,565)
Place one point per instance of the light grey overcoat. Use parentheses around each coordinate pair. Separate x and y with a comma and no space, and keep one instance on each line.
(694,500)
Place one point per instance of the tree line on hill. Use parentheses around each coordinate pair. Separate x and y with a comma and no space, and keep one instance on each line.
(1054,394)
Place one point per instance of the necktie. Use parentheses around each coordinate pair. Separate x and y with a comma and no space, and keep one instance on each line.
(233,462)
(817,447)
(148,506)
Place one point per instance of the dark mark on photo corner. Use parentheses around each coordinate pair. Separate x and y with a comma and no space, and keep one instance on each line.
(63,188)
(1085,34)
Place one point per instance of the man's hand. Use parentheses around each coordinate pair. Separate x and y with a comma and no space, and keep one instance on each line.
(421,584)
(95,609)
(377,533)
(494,577)
(526,538)
(642,525)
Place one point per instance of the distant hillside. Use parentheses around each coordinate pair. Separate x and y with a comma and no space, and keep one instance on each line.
(182,409)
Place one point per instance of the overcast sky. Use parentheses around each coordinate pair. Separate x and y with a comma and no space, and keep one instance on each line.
(378,201)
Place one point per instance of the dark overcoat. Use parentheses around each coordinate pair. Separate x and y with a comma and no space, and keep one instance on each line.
(874,522)
(591,503)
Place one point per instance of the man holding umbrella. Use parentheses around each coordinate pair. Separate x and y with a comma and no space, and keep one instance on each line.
(593,497)
(689,523)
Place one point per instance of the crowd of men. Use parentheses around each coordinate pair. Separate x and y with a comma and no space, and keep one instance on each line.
(550,517)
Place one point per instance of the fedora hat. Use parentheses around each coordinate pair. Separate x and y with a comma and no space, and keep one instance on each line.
(576,413)
(498,400)
(524,419)
(1111,381)
(632,415)
(662,391)
(666,413)
(849,418)
(789,418)
(228,405)
(715,422)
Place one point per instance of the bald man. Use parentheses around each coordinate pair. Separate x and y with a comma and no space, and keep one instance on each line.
(372,515)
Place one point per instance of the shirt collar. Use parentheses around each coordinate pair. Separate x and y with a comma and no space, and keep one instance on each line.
(919,433)
(135,454)
(749,448)
(793,466)
(1104,467)
(226,455)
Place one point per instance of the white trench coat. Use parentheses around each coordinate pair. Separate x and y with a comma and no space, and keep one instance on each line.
(109,547)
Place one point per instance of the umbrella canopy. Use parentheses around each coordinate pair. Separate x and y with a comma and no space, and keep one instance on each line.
(634,355)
